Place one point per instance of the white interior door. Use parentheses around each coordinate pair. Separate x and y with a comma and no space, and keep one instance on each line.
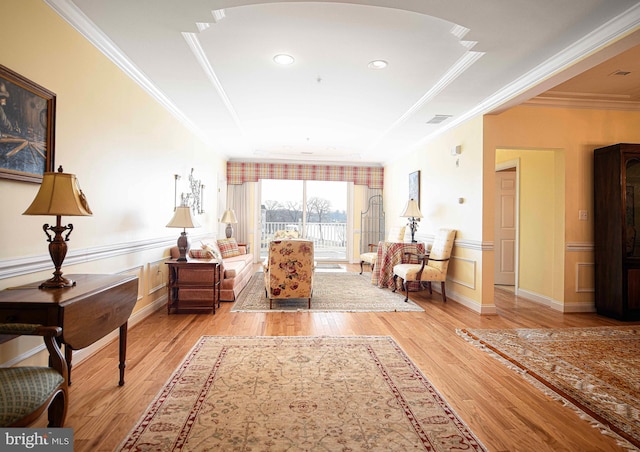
(505,227)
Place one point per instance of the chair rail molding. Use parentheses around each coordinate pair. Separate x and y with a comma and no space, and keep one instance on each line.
(579,246)
(32,264)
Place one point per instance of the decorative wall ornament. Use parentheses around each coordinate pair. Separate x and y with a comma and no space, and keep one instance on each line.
(193,198)
(414,186)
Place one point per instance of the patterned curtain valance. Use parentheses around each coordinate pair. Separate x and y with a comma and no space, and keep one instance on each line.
(240,172)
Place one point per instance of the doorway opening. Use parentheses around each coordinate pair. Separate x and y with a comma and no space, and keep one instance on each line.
(506,224)
(316,210)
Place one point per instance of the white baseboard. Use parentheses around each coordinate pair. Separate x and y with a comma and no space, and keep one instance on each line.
(555,304)
(452,295)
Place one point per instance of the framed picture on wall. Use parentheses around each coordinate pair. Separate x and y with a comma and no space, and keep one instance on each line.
(27,128)
(414,186)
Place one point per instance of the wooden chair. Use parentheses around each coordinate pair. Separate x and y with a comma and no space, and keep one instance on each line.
(288,270)
(432,267)
(396,234)
(26,392)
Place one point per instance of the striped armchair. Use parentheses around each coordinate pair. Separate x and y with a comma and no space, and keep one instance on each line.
(433,266)
(288,270)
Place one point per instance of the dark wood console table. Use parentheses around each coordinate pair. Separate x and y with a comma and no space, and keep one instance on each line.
(86,312)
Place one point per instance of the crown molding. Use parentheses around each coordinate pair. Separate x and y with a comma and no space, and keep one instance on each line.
(582,104)
(515,93)
(79,21)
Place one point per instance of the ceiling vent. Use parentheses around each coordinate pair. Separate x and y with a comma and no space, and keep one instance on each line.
(437,119)
(619,72)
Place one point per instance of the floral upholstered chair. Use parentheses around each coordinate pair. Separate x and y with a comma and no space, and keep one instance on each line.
(285,234)
(288,270)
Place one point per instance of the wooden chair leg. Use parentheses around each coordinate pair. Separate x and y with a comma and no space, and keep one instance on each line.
(361,268)
(444,295)
(406,290)
(309,302)
(395,286)
(58,409)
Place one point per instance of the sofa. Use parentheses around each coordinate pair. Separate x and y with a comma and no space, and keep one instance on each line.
(237,263)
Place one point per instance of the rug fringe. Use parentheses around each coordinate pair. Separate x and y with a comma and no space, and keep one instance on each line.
(605,430)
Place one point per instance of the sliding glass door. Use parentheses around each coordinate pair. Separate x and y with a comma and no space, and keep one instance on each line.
(316,210)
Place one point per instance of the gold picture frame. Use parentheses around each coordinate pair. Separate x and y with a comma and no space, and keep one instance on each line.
(27,128)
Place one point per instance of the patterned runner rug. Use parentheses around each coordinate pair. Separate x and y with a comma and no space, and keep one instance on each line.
(597,370)
(299,394)
(332,291)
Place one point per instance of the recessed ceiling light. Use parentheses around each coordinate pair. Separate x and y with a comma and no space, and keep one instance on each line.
(283,59)
(378,64)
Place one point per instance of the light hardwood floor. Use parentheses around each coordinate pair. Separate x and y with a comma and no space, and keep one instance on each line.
(504,410)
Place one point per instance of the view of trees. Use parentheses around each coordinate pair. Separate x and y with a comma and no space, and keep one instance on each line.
(318,211)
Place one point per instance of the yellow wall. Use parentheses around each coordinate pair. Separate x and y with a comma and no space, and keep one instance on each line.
(123,146)
(445,179)
(556,146)
(570,135)
(538,238)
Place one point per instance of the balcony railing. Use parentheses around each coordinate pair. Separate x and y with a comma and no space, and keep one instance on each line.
(329,239)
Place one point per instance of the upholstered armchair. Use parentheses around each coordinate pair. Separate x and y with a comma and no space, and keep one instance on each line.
(432,267)
(396,234)
(26,392)
(288,270)
(285,234)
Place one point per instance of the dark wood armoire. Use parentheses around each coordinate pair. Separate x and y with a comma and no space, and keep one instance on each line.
(616,214)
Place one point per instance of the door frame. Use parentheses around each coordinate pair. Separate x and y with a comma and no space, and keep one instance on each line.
(515,163)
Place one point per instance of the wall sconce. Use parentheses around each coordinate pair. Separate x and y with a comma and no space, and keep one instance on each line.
(176,178)
(456,151)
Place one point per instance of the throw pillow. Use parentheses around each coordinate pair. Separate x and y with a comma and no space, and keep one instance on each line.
(200,254)
(228,247)
(212,249)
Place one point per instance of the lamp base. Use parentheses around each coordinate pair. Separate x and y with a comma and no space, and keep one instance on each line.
(57,282)
(413,226)
(229,230)
(57,251)
(183,246)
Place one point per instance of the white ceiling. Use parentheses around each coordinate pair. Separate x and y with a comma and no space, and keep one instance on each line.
(210,63)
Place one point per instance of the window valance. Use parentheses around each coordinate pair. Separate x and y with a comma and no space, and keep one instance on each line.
(241,172)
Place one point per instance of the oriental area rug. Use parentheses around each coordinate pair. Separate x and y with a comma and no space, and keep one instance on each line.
(299,394)
(594,370)
(332,291)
